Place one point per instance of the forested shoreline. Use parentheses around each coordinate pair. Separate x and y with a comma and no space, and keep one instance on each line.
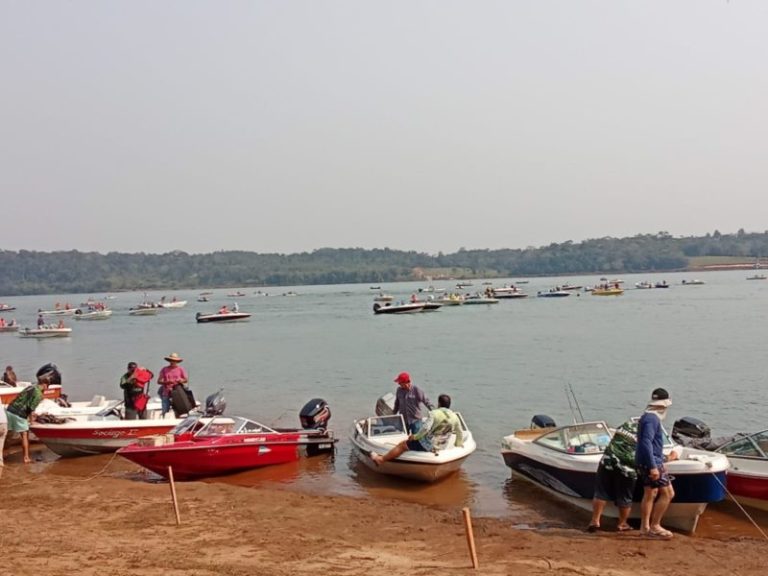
(30,272)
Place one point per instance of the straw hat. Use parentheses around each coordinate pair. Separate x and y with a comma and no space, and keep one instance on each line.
(174,357)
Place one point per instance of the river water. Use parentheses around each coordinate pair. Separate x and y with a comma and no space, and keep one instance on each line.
(501,364)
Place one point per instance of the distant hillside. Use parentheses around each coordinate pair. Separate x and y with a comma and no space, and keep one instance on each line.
(27,272)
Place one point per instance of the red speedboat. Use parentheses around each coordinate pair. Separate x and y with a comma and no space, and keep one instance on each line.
(202,446)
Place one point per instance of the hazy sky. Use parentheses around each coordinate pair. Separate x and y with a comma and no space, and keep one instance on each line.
(284,126)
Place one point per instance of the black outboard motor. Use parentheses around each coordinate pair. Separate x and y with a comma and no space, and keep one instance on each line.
(215,404)
(542,421)
(690,431)
(49,372)
(315,414)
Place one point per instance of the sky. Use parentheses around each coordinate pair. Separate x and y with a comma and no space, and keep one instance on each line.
(287,126)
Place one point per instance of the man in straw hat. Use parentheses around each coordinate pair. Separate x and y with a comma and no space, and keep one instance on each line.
(170,377)
(649,456)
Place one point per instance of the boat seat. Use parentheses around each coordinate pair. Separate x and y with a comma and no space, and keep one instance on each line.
(378,430)
(98,400)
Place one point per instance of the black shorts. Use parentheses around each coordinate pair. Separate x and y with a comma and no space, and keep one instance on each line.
(663,480)
(613,486)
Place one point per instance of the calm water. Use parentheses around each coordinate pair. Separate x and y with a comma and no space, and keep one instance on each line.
(501,364)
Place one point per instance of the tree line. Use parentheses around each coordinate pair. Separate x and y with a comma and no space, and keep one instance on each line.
(31,272)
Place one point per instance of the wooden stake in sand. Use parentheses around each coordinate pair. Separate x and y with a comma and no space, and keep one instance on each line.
(470,536)
(173,496)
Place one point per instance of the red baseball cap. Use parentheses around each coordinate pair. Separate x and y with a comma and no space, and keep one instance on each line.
(403,378)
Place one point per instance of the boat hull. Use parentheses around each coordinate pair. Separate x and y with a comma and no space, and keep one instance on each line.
(45,332)
(8,393)
(231,317)
(99,437)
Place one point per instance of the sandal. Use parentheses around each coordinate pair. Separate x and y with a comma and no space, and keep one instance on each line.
(626,528)
(659,532)
(592,528)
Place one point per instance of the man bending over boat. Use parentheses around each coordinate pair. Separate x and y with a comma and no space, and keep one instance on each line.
(433,435)
(22,409)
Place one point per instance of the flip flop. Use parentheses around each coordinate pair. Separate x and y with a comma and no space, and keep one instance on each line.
(625,529)
(661,533)
(592,528)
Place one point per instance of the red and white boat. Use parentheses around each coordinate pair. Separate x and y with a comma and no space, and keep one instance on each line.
(203,446)
(103,432)
(747,478)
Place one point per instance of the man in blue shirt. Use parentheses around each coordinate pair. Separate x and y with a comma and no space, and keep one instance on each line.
(649,457)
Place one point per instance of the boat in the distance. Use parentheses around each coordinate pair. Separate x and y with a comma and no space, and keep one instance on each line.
(45,332)
(237,294)
(607,291)
(552,293)
(563,461)
(222,316)
(7,308)
(480,299)
(450,300)
(205,445)
(172,304)
(757,277)
(145,308)
(378,434)
(102,314)
(692,282)
(11,326)
(644,285)
(508,293)
(401,308)
(57,312)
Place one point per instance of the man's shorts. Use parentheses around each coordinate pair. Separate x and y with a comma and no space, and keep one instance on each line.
(663,480)
(613,486)
(17,423)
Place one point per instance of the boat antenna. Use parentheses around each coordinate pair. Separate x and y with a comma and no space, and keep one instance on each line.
(570,405)
(571,394)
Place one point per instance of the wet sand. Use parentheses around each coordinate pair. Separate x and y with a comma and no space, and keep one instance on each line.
(59,521)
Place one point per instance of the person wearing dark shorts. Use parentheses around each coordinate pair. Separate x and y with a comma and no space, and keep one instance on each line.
(616,477)
(657,484)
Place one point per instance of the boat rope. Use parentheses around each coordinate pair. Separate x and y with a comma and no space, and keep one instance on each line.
(64,480)
(749,517)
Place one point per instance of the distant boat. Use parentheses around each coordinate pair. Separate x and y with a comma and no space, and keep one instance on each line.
(6,307)
(173,304)
(757,277)
(92,314)
(45,332)
(692,282)
(237,294)
(405,308)
(229,316)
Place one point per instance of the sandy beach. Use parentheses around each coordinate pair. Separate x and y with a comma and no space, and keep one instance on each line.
(59,525)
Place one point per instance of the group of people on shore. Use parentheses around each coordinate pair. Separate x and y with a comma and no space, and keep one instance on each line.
(634,454)
(135,383)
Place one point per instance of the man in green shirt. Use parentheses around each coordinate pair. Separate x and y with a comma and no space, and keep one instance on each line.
(21,410)
(433,435)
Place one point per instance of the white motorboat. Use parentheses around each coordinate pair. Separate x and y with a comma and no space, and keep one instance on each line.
(508,292)
(692,282)
(103,432)
(401,308)
(45,332)
(12,327)
(381,297)
(57,312)
(75,410)
(173,304)
(553,293)
(644,285)
(479,299)
(7,308)
(144,309)
(228,316)
(92,314)
(379,434)
(563,461)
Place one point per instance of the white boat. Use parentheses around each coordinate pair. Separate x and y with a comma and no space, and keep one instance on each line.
(757,277)
(381,297)
(508,293)
(379,434)
(563,461)
(692,282)
(401,308)
(144,309)
(13,327)
(173,304)
(92,314)
(644,285)
(45,332)
(57,312)
(103,432)
(7,308)
(553,293)
(229,316)
(75,410)
(480,299)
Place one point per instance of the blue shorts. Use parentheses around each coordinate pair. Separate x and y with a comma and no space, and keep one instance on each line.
(17,423)
(663,480)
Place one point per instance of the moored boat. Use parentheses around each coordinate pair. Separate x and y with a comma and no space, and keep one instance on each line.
(57,312)
(379,434)
(553,293)
(7,308)
(205,445)
(607,291)
(13,326)
(692,282)
(144,309)
(92,314)
(480,299)
(757,277)
(563,461)
(172,304)
(9,392)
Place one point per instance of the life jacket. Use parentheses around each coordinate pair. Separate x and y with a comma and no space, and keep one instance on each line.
(142,376)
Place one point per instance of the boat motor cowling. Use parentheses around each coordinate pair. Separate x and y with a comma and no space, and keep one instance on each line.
(542,421)
(215,404)
(315,414)
(49,372)
(689,427)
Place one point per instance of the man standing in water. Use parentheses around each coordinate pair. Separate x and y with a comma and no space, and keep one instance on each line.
(649,456)
(408,401)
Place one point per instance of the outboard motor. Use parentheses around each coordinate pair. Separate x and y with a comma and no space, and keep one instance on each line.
(689,431)
(315,414)
(542,421)
(49,372)
(385,406)
(215,404)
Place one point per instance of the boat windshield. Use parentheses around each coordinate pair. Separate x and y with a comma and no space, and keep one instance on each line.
(754,446)
(586,438)
(384,425)
(221,425)
(189,424)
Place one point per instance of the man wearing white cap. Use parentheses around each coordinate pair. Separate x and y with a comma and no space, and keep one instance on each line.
(650,459)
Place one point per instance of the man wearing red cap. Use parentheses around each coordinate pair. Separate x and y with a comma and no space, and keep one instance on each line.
(408,401)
